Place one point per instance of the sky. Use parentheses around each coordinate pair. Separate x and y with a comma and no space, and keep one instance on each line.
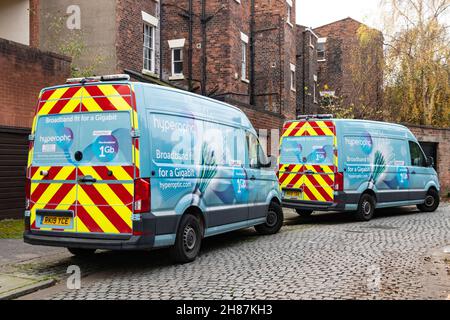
(315,13)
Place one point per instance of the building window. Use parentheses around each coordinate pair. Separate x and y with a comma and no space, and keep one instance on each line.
(244,42)
(177,62)
(289,12)
(293,78)
(149,48)
(315,90)
(176,47)
(321,49)
(244,61)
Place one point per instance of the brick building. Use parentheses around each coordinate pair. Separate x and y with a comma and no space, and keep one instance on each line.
(307,71)
(348,71)
(26,70)
(436,143)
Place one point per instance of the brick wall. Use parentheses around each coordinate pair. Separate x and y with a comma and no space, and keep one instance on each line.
(442,138)
(307,68)
(335,74)
(25,71)
(130,34)
(226,20)
(34,23)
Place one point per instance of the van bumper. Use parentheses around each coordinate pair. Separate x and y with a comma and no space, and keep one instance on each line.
(68,241)
(142,239)
(341,199)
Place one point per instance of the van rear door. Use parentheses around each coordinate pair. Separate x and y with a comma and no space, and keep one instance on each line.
(106,170)
(308,161)
(103,153)
(51,170)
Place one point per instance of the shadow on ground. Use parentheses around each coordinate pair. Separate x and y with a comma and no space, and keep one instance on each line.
(143,260)
(337,218)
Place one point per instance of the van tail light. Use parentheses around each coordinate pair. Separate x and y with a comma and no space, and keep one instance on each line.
(142,196)
(339,182)
(27,194)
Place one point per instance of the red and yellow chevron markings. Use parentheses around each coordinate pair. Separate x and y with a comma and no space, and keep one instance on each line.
(101,207)
(54,191)
(106,206)
(89,98)
(310,128)
(316,181)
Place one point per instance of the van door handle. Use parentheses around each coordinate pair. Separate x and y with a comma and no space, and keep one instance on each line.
(87,179)
(309,172)
(253,178)
(413,172)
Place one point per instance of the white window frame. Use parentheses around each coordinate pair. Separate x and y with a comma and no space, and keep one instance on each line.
(151,22)
(176,44)
(289,12)
(177,76)
(324,42)
(293,78)
(315,90)
(150,49)
(244,50)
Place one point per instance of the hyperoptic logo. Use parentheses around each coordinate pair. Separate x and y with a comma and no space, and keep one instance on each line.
(56,139)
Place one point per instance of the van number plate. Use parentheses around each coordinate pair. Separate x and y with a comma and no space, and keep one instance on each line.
(56,221)
(293,194)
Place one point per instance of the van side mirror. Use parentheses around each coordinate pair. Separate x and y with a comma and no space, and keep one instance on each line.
(430,162)
(271,162)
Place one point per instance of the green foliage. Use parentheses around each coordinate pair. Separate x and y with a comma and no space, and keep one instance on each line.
(71,43)
(417,82)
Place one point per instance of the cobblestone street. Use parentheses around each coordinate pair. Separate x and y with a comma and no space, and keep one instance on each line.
(401,254)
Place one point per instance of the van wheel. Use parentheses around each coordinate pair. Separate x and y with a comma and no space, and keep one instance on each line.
(366,208)
(431,201)
(82,253)
(188,241)
(274,220)
(304,213)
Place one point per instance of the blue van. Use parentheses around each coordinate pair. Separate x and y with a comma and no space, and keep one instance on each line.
(120,165)
(353,165)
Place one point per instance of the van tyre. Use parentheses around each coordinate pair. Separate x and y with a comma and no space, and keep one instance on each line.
(274,220)
(82,253)
(431,201)
(188,241)
(366,208)
(304,213)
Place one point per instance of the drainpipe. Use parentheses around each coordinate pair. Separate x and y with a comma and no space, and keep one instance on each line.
(191,22)
(161,39)
(252,54)
(204,60)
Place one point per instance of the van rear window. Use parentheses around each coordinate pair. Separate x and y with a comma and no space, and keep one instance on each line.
(103,138)
(307,150)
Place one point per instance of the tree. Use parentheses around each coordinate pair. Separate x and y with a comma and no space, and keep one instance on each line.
(70,42)
(417,71)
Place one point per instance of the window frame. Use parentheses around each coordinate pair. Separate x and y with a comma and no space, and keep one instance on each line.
(424,157)
(151,49)
(289,12)
(316,101)
(259,152)
(322,42)
(174,74)
(244,55)
(293,73)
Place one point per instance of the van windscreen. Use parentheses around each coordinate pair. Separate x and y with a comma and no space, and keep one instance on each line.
(307,150)
(103,138)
